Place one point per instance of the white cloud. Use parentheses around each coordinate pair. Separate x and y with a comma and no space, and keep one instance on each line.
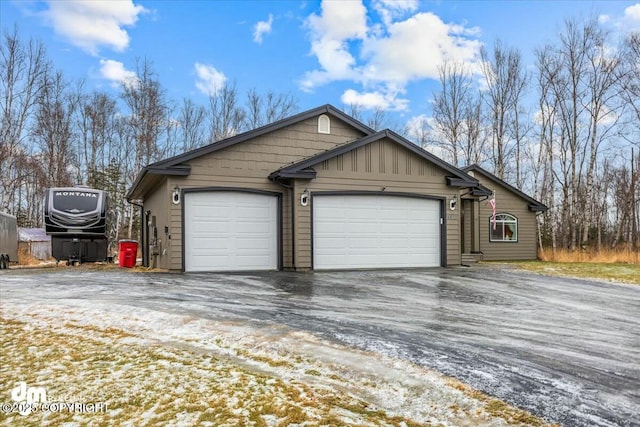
(91,24)
(115,72)
(209,79)
(416,47)
(405,47)
(391,9)
(262,28)
(330,34)
(628,22)
(374,100)
(631,20)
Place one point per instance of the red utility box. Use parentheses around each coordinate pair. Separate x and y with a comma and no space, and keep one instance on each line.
(127,253)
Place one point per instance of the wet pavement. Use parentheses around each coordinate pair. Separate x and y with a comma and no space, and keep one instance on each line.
(567,350)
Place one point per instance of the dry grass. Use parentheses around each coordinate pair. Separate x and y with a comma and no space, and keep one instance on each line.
(605,256)
(614,265)
(612,272)
(162,386)
(25,258)
(219,377)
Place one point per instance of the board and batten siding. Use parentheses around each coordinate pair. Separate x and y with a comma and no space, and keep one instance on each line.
(507,202)
(466,212)
(381,164)
(247,165)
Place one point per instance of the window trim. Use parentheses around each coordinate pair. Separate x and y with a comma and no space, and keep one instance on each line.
(512,220)
(324,124)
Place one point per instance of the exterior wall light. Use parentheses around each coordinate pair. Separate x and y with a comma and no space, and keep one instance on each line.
(175,196)
(304,198)
(453,202)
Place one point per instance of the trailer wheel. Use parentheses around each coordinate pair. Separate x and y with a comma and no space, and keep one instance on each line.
(3,265)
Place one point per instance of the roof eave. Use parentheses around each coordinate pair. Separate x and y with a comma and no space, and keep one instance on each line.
(303,174)
(534,205)
(481,191)
(154,171)
(538,208)
(453,181)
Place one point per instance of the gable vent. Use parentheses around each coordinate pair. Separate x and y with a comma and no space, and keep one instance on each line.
(324,124)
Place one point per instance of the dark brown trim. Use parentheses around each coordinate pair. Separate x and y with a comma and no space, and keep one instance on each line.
(443,219)
(276,194)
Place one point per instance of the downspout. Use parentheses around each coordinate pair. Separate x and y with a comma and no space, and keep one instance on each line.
(293,221)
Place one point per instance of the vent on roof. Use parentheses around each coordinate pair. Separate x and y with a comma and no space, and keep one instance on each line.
(324,124)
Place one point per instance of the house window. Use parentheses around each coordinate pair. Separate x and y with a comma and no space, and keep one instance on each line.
(324,124)
(505,230)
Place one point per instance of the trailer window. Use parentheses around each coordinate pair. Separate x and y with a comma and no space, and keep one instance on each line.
(75,202)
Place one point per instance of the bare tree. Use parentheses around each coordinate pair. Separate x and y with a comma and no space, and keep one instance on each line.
(96,121)
(191,119)
(505,79)
(225,115)
(268,108)
(147,120)
(452,109)
(21,69)
(630,80)
(473,150)
(52,129)
(543,159)
(602,107)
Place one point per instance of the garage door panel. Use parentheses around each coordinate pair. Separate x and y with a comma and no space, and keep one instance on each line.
(228,231)
(215,242)
(375,231)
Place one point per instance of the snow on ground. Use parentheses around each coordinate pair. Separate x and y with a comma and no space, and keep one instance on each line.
(156,368)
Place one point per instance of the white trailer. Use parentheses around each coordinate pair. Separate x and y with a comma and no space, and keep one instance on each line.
(8,240)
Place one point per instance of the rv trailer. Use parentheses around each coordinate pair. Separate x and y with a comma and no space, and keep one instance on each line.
(76,220)
(8,240)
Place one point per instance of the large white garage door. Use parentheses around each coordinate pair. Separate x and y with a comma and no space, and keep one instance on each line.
(230,231)
(375,232)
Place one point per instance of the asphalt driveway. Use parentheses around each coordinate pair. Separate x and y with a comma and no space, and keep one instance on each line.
(567,350)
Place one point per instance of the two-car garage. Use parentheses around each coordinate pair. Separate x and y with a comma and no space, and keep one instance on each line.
(235,231)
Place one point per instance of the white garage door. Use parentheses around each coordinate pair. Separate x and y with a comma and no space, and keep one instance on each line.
(230,231)
(375,232)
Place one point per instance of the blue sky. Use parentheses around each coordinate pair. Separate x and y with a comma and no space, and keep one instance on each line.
(382,53)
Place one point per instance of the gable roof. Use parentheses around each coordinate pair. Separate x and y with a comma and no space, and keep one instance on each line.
(534,205)
(173,165)
(303,168)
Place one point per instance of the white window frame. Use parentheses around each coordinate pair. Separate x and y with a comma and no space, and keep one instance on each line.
(324,124)
(503,220)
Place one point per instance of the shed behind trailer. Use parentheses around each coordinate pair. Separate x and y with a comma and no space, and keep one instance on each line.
(34,242)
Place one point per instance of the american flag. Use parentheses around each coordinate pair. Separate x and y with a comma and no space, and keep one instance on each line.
(492,203)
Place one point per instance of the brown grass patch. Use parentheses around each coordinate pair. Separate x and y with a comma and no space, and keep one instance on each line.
(25,258)
(605,256)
